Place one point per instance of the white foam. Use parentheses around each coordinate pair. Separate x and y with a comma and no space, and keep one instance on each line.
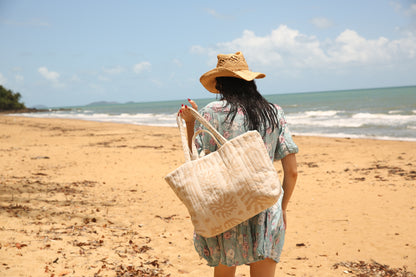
(165,120)
(330,119)
(384,119)
(353,136)
(340,119)
(316,123)
(321,113)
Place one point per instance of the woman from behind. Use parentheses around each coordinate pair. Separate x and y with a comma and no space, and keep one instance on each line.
(257,242)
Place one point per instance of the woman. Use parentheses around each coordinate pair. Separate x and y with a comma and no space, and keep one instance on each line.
(258,241)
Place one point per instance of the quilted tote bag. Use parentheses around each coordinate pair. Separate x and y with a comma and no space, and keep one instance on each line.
(228,186)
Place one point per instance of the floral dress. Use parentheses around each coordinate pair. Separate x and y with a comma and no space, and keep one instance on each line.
(261,236)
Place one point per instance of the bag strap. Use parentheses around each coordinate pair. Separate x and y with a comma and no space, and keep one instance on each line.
(208,125)
(194,155)
(212,131)
(185,147)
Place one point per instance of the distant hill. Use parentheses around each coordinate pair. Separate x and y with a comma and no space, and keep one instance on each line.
(40,107)
(102,103)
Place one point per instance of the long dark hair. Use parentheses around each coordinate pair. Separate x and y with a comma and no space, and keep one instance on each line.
(259,113)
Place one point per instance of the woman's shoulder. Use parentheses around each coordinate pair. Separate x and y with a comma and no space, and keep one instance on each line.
(279,110)
(277,107)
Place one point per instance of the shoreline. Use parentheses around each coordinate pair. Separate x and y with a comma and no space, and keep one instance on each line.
(83,197)
(338,136)
(31,110)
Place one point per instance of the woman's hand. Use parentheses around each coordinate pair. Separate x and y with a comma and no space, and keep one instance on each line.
(186,114)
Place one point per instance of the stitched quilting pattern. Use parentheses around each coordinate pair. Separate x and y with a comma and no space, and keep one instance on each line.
(228,186)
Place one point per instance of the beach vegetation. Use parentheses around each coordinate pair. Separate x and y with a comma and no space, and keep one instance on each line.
(10,100)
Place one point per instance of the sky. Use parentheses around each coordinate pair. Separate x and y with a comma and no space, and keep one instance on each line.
(71,53)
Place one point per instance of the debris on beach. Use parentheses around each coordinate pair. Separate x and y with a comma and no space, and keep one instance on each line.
(66,214)
(373,269)
(166,218)
(142,271)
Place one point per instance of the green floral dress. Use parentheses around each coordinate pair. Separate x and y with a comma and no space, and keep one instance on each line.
(261,236)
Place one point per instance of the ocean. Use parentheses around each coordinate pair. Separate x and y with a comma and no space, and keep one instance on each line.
(380,113)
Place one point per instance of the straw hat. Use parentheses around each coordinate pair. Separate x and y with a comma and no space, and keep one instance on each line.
(230,65)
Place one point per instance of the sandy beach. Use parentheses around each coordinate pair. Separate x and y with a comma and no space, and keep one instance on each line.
(80,198)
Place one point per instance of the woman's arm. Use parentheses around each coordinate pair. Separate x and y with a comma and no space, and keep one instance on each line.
(189,120)
(190,132)
(290,176)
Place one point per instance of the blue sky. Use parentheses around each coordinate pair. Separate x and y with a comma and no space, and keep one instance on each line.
(64,53)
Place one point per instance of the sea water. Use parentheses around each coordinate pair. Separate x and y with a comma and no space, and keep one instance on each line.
(382,113)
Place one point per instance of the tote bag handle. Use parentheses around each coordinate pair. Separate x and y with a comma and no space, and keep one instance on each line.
(219,139)
(194,154)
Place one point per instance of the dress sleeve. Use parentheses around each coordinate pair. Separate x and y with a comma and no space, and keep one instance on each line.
(204,141)
(285,143)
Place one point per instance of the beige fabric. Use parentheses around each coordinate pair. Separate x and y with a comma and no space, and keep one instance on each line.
(228,186)
(229,65)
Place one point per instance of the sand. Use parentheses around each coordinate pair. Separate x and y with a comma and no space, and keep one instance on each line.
(82,198)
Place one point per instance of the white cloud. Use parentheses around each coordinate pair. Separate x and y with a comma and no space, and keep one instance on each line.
(286,48)
(3,79)
(212,12)
(75,78)
(406,10)
(198,49)
(177,62)
(412,10)
(157,82)
(322,22)
(210,52)
(283,47)
(396,5)
(19,78)
(49,75)
(140,67)
(114,70)
(351,47)
(217,15)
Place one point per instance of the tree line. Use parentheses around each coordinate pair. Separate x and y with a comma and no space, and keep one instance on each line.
(10,100)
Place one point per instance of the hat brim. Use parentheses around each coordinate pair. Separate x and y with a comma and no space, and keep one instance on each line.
(209,82)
